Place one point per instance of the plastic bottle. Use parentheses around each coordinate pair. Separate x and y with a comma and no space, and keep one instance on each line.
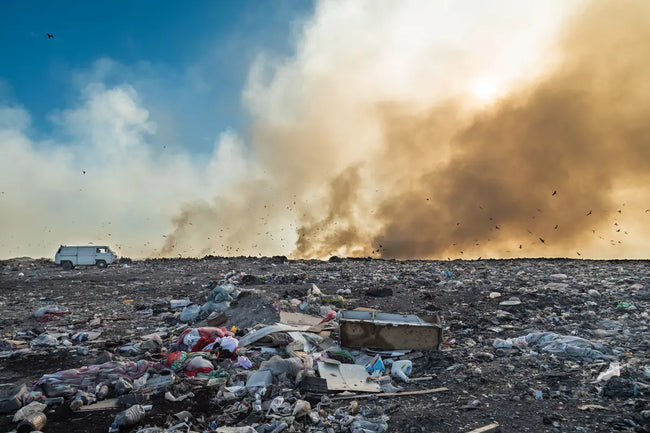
(101,391)
(128,417)
(123,386)
(402,369)
(257,404)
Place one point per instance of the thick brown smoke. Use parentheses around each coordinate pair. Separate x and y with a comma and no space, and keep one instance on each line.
(539,168)
(546,170)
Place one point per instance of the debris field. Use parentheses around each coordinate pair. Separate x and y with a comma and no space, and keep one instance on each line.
(261,345)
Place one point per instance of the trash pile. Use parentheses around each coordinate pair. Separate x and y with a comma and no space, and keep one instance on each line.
(435,349)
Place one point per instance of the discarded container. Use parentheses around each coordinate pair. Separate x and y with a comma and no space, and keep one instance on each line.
(178,303)
(376,366)
(402,369)
(385,331)
(128,417)
(123,386)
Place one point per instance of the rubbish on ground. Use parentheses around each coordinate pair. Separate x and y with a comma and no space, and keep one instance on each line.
(178,303)
(594,407)
(44,340)
(569,345)
(129,417)
(170,397)
(613,370)
(254,336)
(511,302)
(376,366)
(51,310)
(421,379)
(486,428)
(291,318)
(402,369)
(391,394)
(385,331)
(190,313)
(259,379)
(108,404)
(246,429)
(283,378)
(346,377)
(217,318)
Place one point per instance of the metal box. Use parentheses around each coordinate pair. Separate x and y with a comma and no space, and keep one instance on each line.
(386,331)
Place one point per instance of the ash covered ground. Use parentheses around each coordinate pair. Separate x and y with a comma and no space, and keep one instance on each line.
(522,388)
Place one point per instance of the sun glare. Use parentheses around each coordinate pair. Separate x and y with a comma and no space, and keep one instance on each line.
(484,89)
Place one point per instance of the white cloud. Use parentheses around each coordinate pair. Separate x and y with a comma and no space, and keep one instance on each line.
(131,188)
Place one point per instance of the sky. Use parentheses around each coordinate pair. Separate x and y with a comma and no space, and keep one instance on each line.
(414,129)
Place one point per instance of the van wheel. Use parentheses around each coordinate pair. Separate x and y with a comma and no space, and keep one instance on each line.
(67,265)
(101,264)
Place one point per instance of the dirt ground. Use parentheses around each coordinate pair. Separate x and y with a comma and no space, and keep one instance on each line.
(521,389)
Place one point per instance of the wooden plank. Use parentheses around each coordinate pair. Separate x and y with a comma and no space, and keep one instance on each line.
(486,428)
(390,394)
(107,404)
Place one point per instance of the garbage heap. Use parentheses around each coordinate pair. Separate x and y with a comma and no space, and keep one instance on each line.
(325,367)
(266,379)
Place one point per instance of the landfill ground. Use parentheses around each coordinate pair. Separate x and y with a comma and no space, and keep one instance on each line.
(522,388)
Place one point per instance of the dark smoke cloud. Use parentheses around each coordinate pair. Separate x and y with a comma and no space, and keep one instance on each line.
(581,131)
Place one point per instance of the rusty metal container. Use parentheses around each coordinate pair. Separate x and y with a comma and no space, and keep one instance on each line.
(386,331)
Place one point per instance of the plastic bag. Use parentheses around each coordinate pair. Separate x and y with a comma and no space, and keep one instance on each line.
(190,313)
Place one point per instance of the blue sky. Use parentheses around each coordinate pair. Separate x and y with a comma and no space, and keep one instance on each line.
(188,61)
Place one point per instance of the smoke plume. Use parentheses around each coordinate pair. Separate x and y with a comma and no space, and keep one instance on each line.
(373,146)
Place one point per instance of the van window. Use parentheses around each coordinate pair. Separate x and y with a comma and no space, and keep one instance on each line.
(102,250)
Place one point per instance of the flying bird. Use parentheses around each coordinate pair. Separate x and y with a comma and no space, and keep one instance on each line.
(542,240)
(50,35)
(556,226)
(589,213)
(554,193)
(84,171)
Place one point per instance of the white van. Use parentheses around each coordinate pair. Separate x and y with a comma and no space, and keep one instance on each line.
(71,256)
